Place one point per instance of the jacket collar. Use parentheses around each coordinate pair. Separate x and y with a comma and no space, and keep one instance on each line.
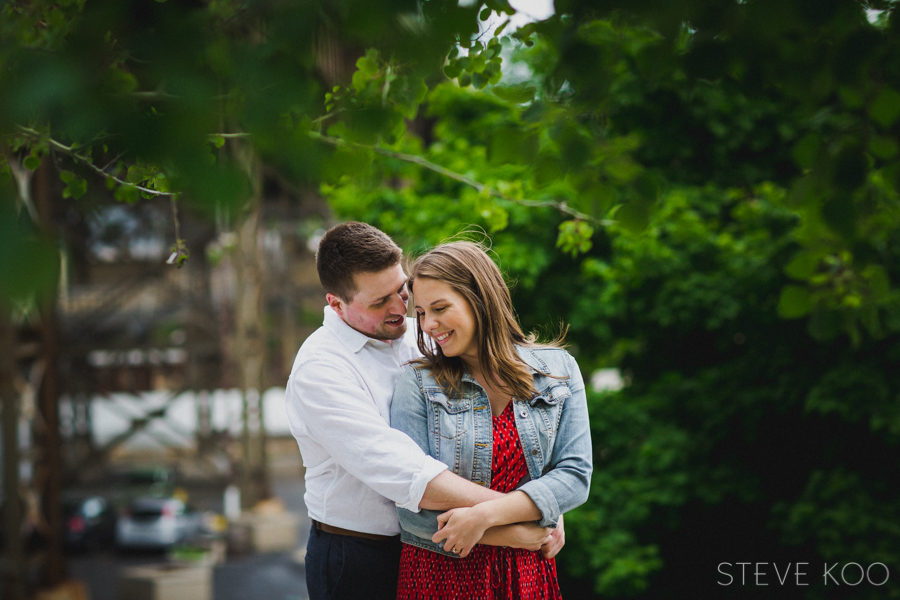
(531,359)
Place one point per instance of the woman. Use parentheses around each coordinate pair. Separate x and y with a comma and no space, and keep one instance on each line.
(498,409)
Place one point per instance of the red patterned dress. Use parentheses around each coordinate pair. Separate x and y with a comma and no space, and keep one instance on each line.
(488,572)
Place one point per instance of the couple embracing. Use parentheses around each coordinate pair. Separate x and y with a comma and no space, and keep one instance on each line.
(440,452)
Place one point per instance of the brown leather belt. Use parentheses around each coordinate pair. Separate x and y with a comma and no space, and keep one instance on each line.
(338,531)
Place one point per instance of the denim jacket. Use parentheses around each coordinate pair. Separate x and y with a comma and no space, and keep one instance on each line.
(457,429)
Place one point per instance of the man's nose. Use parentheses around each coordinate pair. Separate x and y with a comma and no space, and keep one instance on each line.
(398,303)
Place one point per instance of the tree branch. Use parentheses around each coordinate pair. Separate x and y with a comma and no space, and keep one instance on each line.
(86,161)
(477,185)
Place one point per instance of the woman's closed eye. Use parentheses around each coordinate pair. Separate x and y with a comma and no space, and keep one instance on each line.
(421,312)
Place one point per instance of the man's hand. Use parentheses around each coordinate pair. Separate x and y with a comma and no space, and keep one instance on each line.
(556,542)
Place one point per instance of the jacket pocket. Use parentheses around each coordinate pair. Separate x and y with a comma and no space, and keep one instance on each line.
(549,403)
(451,415)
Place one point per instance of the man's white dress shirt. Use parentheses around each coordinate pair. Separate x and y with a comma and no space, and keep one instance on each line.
(338,397)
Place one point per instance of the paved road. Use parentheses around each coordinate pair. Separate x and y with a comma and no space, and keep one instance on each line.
(274,576)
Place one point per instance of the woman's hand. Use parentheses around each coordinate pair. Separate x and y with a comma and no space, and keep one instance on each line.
(555,541)
(460,529)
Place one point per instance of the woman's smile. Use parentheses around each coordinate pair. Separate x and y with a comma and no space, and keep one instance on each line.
(440,338)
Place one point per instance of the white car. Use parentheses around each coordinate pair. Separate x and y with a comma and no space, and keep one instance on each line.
(156,523)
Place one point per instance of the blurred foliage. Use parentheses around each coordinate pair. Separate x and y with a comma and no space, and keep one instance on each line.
(729,254)
(706,191)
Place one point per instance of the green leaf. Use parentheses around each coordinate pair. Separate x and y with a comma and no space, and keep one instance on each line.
(32,162)
(452,70)
(633,216)
(512,145)
(76,188)
(622,169)
(28,262)
(795,302)
(127,193)
(478,63)
(548,170)
(367,65)
(421,90)
(879,283)
(883,147)
(803,265)
(886,107)
(850,97)
(136,174)
(575,237)
(806,150)
(517,94)
(119,81)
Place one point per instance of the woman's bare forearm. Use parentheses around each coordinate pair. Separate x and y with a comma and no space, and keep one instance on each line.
(527,536)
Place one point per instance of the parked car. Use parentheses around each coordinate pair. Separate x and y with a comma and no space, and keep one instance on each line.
(156,523)
(89,523)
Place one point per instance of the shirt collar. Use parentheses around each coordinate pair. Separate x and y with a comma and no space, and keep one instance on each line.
(351,338)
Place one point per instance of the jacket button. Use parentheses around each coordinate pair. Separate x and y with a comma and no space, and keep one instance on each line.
(523,413)
(534,451)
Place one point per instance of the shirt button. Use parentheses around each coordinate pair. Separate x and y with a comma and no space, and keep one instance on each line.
(523,413)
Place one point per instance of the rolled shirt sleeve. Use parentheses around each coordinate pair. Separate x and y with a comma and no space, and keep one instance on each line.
(330,404)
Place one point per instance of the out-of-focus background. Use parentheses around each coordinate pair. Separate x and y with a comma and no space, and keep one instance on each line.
(704,191)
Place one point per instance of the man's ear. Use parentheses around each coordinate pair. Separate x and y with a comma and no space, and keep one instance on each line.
(336,304)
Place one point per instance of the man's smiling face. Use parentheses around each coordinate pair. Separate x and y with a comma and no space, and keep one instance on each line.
(378,309)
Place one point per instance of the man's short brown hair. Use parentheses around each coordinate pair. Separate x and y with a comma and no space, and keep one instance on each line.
(351,248)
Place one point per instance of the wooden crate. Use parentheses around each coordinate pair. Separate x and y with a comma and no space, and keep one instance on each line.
(166,582)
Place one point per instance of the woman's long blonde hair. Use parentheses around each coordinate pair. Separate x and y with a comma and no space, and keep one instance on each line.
(470,272)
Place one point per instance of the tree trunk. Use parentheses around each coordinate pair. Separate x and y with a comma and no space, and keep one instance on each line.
(49,483)
(249,345)
(13,586)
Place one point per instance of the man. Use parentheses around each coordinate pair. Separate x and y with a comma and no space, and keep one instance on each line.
(358,469)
